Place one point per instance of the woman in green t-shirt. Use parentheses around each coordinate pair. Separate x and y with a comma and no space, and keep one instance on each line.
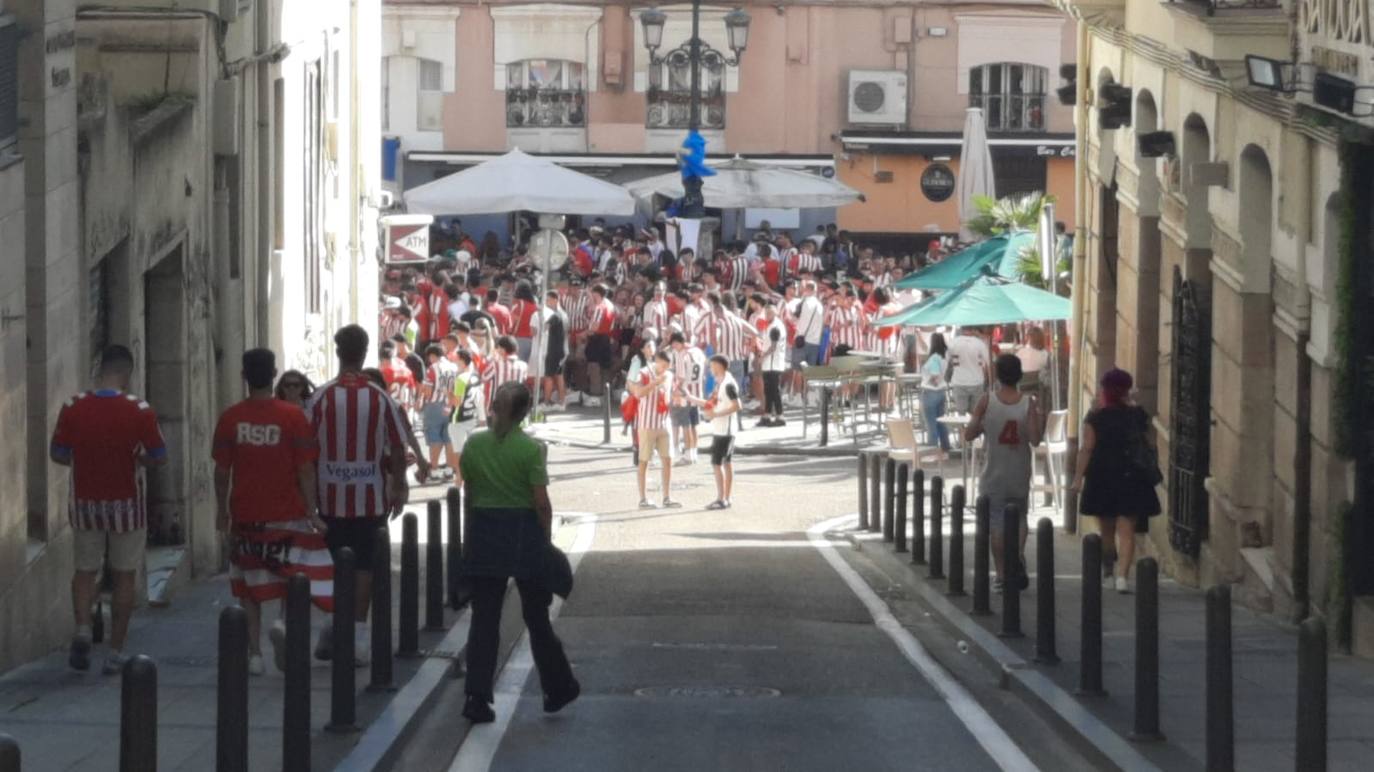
(508,531)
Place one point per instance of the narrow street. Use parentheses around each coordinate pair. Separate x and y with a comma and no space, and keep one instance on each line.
(724,641)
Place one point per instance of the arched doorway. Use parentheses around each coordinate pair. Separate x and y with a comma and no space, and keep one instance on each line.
(1148,246)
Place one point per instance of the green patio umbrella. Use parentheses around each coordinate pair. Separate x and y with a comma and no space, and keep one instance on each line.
(985,299)
(999,252)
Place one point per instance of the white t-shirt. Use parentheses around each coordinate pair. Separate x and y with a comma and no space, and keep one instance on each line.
(725,395)
(969,357)
(775,346)
(811,319)
(1033,360)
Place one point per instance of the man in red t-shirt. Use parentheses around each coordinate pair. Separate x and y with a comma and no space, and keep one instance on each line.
(501,314)
(104,435)
(265,451)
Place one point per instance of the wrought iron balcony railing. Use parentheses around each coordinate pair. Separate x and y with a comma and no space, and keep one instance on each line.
(1011,112)
(672,109)
(545,108)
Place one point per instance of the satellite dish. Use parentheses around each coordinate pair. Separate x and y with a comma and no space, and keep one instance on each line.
(549,244)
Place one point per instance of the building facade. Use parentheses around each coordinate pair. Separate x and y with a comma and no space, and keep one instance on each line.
(204,191)
(874,94)
(1223,260)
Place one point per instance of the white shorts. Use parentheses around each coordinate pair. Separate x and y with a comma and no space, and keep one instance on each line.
(458,434)
(126,549)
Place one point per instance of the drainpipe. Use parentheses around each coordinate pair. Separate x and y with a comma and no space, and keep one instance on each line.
(588,69)
(1077,322)
(1302,485)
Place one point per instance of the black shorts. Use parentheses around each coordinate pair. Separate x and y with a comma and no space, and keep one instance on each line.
(357,533)
(722,450)
(553,366)
(599,350)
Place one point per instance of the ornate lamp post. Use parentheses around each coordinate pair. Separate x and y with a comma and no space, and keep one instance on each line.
(737,31)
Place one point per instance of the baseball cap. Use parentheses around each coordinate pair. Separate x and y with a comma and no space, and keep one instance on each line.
(393,303)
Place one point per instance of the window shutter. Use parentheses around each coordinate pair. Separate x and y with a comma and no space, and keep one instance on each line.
(9,81)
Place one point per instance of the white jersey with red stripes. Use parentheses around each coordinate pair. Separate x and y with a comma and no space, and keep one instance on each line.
(656,318)
(652,412)
(357,425)
(689,370)
(576,308)
(847,326)
(504,370)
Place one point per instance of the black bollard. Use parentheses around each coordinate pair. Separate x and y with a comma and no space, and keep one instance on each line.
(343,690)
(409,612)
(138,716)
(1312,694)
(863,491)
(1147,651)
(889,498)
(455,543)
(295,745)
(231,716)
(381,614)
(9,754)
(1090,652)
(825,416)
(937,539)
(982,587)
(875,490)
(1011,571)
(434,569)
(606,413)
(918,517)
(1221,728)
(1045,648)
(955,588)
(899,520)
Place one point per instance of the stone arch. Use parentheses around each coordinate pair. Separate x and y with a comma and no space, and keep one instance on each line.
(1144,294)
(1196,149)
(1256,218)
(1146,120)
(1106,140)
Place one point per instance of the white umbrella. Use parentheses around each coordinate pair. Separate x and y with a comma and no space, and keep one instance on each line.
(740,184)
(975,169)
(518,182)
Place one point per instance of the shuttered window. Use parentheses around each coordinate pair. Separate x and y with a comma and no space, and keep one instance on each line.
(9,81)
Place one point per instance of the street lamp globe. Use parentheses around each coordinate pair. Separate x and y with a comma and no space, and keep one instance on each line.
(653,20)
(737,28)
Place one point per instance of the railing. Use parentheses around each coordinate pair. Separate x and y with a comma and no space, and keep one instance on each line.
(545,108)
(1011,112)
(672,109)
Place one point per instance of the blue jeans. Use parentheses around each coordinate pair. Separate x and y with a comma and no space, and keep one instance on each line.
(932,407)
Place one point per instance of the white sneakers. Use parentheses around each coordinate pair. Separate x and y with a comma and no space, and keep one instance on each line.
(362,644)
(1122,586)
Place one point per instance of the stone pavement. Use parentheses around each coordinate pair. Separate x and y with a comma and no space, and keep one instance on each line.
(65,720)
(1264,665)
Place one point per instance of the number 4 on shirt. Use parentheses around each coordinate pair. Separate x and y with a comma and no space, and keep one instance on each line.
(1011,433)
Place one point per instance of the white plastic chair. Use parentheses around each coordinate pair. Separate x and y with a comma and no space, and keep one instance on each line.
(1052,452)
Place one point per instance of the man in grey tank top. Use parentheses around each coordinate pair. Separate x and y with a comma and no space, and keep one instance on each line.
(1011,423)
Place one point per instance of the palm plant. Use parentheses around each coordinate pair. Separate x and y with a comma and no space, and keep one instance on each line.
(999,215)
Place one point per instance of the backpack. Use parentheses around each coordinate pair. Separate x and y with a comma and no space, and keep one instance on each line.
(1142,459)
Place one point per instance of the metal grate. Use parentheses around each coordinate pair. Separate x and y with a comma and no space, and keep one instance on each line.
(9,81)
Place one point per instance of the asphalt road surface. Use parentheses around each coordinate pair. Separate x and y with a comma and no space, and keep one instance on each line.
(732,640)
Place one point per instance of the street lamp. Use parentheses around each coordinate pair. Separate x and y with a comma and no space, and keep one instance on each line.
(737,34)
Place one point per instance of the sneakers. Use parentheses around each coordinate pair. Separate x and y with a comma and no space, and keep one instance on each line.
(646,504)
(779,422)
(592,402)
(764,423)
(476,710)
(114,663)
(362,645)
(80,655)
(324,647)
(670,504)
(997,585)
(717,504)
(1122,585)
(277,636)
(255,666)
(556,702)
(684,461)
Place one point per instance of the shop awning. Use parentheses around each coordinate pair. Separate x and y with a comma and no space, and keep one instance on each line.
(947,143)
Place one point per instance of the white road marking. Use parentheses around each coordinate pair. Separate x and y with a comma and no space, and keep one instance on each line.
(478,750)
(1004,752)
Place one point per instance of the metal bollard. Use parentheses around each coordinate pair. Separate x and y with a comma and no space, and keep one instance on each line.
(231,715)
(982,586)
(863,491)
(434,569)
(295,745)
(918,516)
(606,414)
(1312,694)
(937,539)
(889,497)
(381,615)
(875,490)
(343,690)
(1011,572)
(138,716)
(1090,652)
(825,416)
(455,544)
(1045,648)
(9,754)
(409,612)
(1221,728)
(899,520)
(955,587)
(1147,651)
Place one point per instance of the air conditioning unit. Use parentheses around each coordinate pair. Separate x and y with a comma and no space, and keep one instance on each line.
(877,97)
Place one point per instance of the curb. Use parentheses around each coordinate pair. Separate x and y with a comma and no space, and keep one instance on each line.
(740,450)
(1075,722)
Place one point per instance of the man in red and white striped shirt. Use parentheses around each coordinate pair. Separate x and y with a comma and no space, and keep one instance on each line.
(656,313)
(362,468)
(847,320)
(600,352)
(505,367)
(689,375)
(654,390)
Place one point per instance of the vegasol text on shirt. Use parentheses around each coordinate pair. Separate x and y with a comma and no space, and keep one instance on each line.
(356,426)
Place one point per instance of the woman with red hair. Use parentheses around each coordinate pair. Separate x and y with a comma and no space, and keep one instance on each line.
(1116,471)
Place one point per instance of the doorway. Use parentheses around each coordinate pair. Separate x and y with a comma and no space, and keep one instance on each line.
(164,379)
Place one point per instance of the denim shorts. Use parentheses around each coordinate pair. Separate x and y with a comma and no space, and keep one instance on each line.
(435,417)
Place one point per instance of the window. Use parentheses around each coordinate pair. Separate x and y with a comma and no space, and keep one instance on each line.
(313,177)
(9,81)
(544,93)
(1012,95)
(670,90)
(429,97)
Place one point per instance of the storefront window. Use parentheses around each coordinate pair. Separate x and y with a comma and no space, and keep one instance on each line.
(1012,95)
(545,93)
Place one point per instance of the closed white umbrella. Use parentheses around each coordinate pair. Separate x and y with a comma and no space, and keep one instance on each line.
(743,184)
(518,182)
(975,169)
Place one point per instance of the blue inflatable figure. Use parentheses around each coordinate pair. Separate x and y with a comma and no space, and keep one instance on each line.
(691,161)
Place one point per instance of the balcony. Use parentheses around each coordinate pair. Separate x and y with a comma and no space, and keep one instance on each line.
(672,109)
(1224,31)
(1011,112)
(1211,7)
(545,108)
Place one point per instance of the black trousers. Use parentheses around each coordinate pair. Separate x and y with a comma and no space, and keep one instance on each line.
(484,637)
(772,392)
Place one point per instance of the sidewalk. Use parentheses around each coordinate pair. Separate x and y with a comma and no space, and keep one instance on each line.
(1264,666)
(65,720)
